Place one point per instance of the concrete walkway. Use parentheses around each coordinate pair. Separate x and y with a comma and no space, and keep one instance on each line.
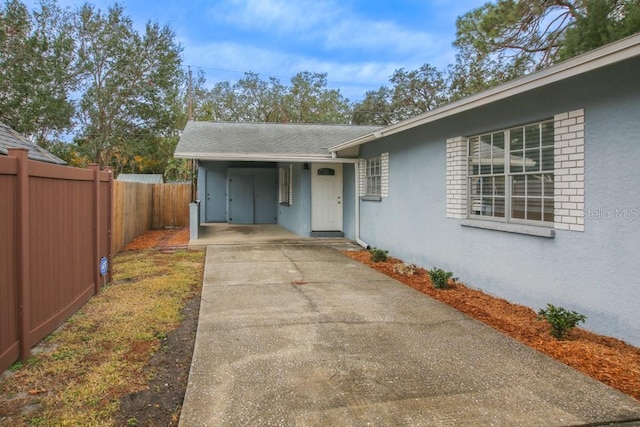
(300,335)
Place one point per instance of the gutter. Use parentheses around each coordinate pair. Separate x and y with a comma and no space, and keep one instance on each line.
(262,158)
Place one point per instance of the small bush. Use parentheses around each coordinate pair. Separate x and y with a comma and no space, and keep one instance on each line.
(440,278)
(560,319)
(378,255)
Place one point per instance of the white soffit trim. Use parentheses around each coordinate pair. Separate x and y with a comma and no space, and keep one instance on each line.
(610,54)
(234,157)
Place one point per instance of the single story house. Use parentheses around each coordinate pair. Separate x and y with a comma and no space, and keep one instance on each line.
(529,191)
(9,138)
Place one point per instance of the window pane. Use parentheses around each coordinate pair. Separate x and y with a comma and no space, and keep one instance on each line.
(498,141)
(498,153)
(532,160)
(474,146)
(547,159)
(516,162)
(547,133)
(485,146)
(534,185)
(518,186)
(498,185)
(487,186)
(548,209)
(547,185)
(517,208)
(532,136)
(498,207)
(475,185)
(534,209)
(474,168)
(476,205)
(516,139)
(487,206)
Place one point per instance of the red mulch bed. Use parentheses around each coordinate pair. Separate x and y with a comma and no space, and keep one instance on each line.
(606,359)
(170,238)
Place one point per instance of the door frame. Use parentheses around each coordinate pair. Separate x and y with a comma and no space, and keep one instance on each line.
(339,185)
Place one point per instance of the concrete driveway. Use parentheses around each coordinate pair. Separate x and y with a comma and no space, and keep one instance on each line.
(300,335)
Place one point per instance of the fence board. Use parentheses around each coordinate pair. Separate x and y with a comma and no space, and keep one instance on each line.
(132,210)
(55,225)
(54,228)
(140,207)
(171,205)
(9,344)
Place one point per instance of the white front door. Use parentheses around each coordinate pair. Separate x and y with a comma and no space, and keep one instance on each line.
(326,197)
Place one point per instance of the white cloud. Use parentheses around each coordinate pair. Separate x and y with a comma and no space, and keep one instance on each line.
(279,16)
(228,61)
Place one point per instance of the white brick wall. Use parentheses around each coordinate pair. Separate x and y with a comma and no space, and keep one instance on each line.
(457,177)
(569,171)
(362,172)
(384,175)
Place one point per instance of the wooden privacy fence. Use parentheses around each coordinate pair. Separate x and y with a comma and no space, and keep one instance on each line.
(140,207)
(54,230)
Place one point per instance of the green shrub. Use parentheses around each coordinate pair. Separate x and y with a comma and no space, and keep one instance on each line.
(378,255)
(560,319)
(440,278)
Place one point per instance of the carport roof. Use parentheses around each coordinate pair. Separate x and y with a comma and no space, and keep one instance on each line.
(263,141)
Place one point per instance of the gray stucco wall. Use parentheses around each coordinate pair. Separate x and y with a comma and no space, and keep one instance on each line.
(594,272)
(297,217)
(349,195)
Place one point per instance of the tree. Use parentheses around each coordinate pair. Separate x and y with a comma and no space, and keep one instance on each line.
(417,91)
(254,99)
(526,35)
(259,100)
(36,69)
(605,21)
(375,109)
(309,101)
(413,92)
(131,81)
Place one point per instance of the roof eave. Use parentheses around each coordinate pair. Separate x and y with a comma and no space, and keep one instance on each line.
(606,55)
(257,157)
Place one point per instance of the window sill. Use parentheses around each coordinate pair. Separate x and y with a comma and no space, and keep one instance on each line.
(284,204)
(371,198)
(530,230)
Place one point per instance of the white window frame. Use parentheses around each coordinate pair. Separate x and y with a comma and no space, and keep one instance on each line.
(494,172)
(373,176)
(285,186)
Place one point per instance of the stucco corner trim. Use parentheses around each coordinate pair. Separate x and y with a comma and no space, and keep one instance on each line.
(530,230)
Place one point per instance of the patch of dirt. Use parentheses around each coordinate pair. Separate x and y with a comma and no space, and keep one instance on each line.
(606,359)
(160,403)
(166,239)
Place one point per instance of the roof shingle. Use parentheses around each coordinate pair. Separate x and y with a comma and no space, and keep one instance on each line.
(9,138)
(211,139)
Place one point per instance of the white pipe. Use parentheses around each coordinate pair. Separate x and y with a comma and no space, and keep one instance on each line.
(357,183)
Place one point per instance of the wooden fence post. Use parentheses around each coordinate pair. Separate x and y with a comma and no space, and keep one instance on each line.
(22,250)
(96,226)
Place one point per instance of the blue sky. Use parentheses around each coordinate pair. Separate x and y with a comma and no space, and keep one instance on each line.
(357,43)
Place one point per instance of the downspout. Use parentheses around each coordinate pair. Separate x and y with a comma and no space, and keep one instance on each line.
(357,198)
